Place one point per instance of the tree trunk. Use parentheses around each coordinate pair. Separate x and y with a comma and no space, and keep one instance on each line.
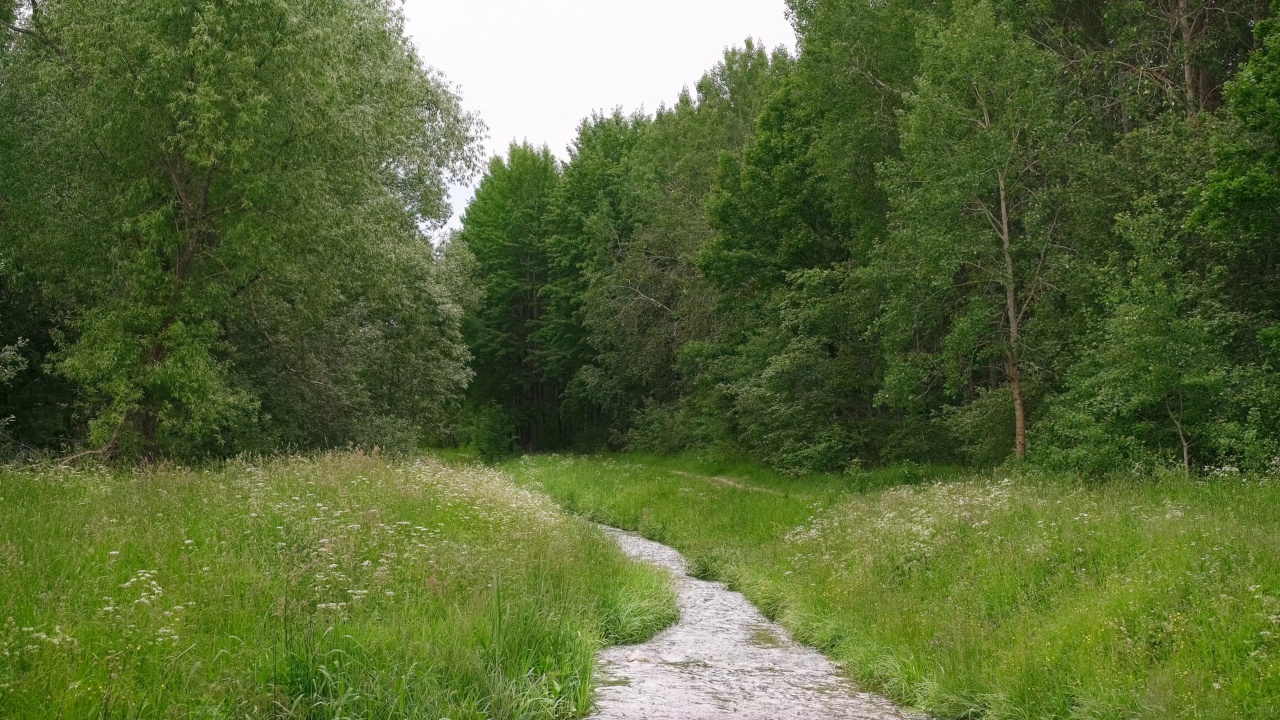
(1013,371)
(1188,28)
(1019,410)
(1182,437)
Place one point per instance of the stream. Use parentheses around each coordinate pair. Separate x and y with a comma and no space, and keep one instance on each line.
(723,660)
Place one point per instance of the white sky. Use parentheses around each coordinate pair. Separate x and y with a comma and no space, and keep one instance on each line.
(533,69)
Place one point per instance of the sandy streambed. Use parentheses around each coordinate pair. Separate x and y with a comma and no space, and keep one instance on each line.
(722,660)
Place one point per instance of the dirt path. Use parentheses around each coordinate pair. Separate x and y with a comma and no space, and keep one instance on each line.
(723,660)
(728,482)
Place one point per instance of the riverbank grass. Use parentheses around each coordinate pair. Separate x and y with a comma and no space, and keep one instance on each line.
(341,585)
(1005,595)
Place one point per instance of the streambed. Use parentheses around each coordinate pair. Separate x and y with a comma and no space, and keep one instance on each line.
(724,659)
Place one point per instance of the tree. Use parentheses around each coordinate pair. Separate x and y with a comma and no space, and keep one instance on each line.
(1155,383)
(1239,204)
(648,299)
(504,231)
(976,198)
(211,190)
(590,219)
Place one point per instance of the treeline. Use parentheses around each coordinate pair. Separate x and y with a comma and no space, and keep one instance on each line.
(215,228)
(944,231)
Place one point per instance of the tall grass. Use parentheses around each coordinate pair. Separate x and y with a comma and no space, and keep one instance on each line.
(993,596)
(336,586)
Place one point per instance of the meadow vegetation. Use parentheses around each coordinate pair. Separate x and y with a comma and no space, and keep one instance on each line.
(995,595)
(338,585)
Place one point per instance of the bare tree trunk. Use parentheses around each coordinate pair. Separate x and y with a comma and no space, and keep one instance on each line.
(1013,371)
(1182,437)
(1019,410)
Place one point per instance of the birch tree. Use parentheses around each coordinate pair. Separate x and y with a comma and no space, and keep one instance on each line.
(975,198)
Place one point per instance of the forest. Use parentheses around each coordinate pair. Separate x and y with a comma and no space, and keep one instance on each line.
(938,232)
(214,228)
(942,232)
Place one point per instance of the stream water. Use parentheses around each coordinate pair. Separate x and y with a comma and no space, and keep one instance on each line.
(723,660)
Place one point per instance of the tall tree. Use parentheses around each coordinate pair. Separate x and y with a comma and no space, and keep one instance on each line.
(504,229)
(209,183)
(1240,203)
(976,200)
(648,300)
(589,220)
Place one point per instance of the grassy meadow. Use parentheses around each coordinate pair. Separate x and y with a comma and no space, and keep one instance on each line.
(333,586)
(1003,595)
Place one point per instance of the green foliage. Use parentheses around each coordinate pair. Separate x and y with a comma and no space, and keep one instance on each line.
(1240,201)
(976,199)
(590,216)
(614,292)
(1158,387)
(11,364)
(491,432)
(504,234)
(340,585)
(649,299)
(771,212)
(225,204)
(938,230)
(928,237)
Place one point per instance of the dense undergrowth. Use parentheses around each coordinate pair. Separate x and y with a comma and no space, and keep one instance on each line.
(343,585)
(1005,595)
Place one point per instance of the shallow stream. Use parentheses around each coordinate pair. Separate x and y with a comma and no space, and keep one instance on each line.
(723,660)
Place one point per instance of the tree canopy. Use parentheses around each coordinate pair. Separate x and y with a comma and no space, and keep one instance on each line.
(964,231)
(223,210)
(961,231)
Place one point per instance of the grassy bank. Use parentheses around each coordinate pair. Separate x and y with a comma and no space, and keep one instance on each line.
(336,586)
(994,596)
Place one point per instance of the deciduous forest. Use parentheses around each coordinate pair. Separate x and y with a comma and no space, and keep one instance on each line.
(213,226)
(939,233)
(943,232)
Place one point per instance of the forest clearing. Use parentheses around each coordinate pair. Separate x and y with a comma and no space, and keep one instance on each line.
(360,586)
(924,361)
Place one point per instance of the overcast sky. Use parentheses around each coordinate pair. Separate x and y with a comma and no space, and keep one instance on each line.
(533,69)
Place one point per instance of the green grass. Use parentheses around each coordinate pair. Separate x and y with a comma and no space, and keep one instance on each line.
(1007,595)
(336,586)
